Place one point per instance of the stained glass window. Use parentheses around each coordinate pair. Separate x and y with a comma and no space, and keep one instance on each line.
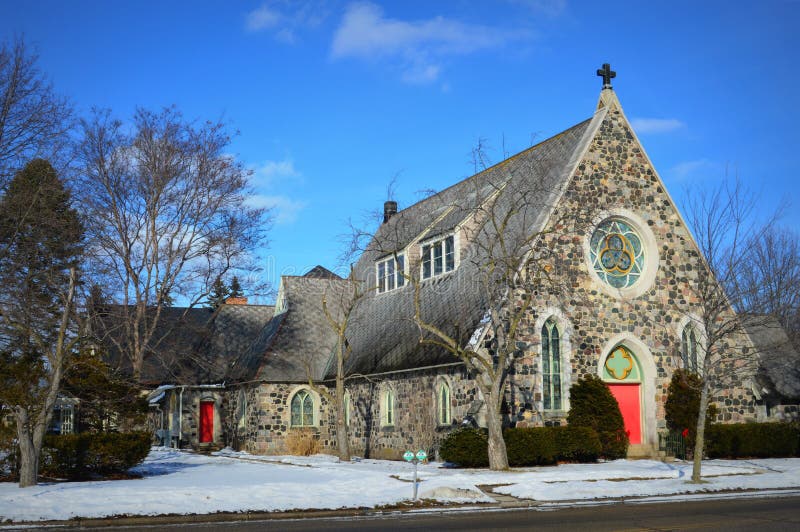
(616,253)
(689,348)
(302,409)
(551,366)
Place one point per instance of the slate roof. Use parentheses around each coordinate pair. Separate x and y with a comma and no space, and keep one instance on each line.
(297,339)
(779,362)
(190,345)
(382,333)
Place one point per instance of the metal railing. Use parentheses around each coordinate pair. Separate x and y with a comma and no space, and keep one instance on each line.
(672,443)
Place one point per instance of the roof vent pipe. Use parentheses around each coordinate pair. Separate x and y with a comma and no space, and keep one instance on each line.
(389,210)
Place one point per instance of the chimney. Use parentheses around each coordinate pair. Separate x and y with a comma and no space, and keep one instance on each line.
(236,301)
(389,210)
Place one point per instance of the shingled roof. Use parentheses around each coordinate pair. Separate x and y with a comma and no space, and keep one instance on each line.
(299,337)
(383,335)
(190,345)
(779,362)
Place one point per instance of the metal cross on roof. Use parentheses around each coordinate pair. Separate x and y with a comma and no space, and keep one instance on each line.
(607,75)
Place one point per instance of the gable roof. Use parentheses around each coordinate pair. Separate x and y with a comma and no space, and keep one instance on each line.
(382,332)
(299,338)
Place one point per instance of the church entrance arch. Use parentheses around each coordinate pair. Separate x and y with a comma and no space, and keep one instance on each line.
(623,374)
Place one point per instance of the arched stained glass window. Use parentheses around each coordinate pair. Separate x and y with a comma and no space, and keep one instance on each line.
(551,366)
(302,409)
(443,403)
(689,345)
(616,253)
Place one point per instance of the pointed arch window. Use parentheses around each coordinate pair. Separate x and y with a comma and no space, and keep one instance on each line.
(347,408)
(551,366)
(302,409)
(387,408)
(443,403)
(689,348)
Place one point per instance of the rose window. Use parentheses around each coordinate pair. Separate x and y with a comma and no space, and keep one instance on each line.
(616,253)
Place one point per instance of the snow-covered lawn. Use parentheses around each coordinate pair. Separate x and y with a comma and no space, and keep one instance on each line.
(183,483)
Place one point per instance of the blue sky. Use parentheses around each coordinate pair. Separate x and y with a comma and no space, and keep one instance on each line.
(333,99)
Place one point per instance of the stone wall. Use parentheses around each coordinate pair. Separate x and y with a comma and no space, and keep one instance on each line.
(615,179)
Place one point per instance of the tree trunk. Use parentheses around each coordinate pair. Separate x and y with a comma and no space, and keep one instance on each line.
(342,437)
(701,432)
(28,450)
(498,458)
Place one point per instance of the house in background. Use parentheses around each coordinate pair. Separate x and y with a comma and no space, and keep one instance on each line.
(618,304)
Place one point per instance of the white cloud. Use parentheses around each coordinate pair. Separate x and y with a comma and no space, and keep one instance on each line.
(656,125)
(285,18)
(692,169)
(262,18)
(418,46)
(284,209)
(268,173)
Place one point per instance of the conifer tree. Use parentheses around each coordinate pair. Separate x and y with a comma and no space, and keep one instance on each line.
(219,293)
(235,289)
(38,325)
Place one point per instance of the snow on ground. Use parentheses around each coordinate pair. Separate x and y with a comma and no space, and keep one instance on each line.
(180,482)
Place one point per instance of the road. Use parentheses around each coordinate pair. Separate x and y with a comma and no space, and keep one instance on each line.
(778,513)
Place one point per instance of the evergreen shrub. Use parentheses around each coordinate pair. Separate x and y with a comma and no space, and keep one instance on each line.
(467,447)
(525,446)
(577,444)
(683,405)
(592,405)
(531,446)
(752,440)
(83,456)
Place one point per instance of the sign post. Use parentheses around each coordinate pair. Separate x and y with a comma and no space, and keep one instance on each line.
(409,456)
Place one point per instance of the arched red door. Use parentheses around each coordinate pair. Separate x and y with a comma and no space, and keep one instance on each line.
(206,421)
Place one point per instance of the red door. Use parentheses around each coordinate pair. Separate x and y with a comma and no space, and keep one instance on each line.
(627,395)
(206,421)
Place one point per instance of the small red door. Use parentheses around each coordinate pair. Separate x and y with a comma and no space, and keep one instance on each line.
(206,421)
(627,395)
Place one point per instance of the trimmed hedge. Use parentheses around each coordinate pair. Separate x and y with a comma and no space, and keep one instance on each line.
(82,456)
(753,440)
(468,447)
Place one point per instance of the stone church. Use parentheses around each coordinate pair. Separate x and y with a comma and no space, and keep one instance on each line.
(607,281)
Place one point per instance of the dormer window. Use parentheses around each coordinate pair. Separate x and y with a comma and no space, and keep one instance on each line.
(438,257)
(390,273)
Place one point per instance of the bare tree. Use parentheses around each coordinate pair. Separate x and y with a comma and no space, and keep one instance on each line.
(34,120)
(724,226)
(38,319)
(338,304)
(502,226)
(166,215)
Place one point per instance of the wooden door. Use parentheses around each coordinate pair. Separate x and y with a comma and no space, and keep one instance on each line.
(206,421)
(629,398)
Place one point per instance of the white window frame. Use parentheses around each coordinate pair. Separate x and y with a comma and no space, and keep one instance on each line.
(67,415)
(388,411)
(428,256)
(390,272)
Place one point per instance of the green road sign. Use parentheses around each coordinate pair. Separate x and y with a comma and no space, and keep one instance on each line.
(408,456)
(421,455)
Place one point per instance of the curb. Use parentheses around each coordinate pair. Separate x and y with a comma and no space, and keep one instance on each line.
(517,504)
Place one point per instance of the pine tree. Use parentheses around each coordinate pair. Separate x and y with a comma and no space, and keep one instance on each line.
(219,293)
(40,250)
(235,289)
